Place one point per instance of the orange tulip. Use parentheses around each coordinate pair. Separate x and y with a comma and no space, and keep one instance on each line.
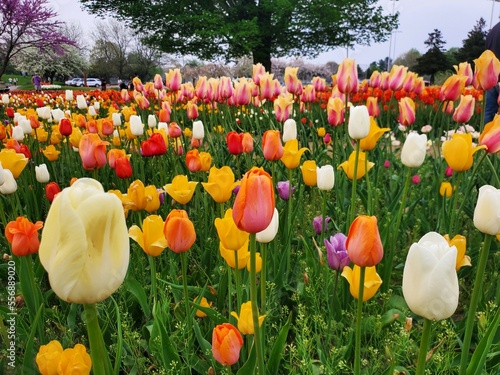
(271,145)
(179,231)
(247,142)
(363,243)
(347,76)
(22,234)
(92,151)
(226,344)
(253,207)
(487,69)
(193,161)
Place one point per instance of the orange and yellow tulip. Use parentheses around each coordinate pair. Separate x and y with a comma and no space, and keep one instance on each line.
(179,231)
(487,69)
(271,145)
(347,76)
(490,137)
(363,243)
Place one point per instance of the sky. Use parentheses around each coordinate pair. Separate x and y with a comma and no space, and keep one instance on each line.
(417,18)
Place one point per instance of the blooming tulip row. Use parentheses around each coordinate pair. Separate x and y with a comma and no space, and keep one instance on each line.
(288,211)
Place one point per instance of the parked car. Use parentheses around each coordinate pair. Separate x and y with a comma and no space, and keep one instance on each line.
(91,82)
(73,81)
(4,87)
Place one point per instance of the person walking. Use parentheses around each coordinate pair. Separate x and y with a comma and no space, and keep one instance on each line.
(493,44)
(37,82)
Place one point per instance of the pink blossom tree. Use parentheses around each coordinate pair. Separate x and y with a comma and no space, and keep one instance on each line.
(27,24)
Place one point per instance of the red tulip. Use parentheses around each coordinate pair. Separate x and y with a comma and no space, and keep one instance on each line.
(51,190)
(234,142)
(123,168)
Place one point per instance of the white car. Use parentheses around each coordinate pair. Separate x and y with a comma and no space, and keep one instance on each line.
(73,82)
(91,82)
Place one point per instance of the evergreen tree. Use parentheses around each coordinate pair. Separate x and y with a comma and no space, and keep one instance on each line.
(435,59)
(474,45)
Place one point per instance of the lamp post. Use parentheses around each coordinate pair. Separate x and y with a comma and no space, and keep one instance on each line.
(389,62)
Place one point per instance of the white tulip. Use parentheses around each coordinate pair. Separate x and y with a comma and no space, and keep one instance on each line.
(5,99)
(430,282)
(487,211)
(268,234)
(69,95)
(97,106)
(44,113)
(2,175)
(85,244)
(42,173)
(92,111)
(163,125)
(25,124)
(359,122)
(18,133)
(136,126)
(9,185)
(414,150)
(325,177)
(198,130)
(17,116)
(81,103)
(151,121)
(117,118)
(289,130)
(57,114)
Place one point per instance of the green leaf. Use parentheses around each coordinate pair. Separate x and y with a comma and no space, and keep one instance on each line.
(29,366)
(163,347)
(481,353)
(278,349)
(204,344)
(134,287)
(249,367)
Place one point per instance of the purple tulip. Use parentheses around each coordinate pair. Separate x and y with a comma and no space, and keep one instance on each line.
(318,224)
(283,188)
(336,252)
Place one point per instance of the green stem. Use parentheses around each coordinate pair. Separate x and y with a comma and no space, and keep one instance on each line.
(101,364)
(493,172)
(369,188)
(424,344)
(471,314)
(255,309)
(453,213)
(263,254)
(152,266)
(237,280)
(354,182)
(394,233)
(359,312)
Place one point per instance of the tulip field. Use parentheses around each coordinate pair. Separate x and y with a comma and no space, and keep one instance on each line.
(251,227)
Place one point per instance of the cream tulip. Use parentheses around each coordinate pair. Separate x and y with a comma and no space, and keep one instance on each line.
(117,118)
(9,185)
(57,114)
(359,122)
(289,130)
(198,130)
(17,133)
(25,124)
(487,211)
(85,244)
(430,282)
(5,99)
(81,103)
(151,121)
(2,175)
(414,150)
(42,173)
(69,95)
(268,234)
(136,127)
(325,177)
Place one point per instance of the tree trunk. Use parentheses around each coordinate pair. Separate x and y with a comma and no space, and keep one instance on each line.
(262,52)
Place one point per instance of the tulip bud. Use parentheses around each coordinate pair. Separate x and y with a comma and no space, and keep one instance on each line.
(359,122)
(325,177)
(414,150)
(430,282)
(92,111)
(25,124)
(5,99)
(487,211)
(136,127)
(289,130)
(117,119)
(198,129)
(42,173)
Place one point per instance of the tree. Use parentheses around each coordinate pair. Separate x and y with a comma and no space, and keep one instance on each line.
(408,59)
(28,24)
(215,29)
(474,44)
(434,60)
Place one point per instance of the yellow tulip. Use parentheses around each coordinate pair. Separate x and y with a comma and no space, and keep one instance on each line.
(229,234)
(372,281)
(230,256)
(75,137)
(41,135)
(446,189)
(460,242)
(220,184)
(181,190)
(202,302)
(370,141)
(11,160)
(151,238)
(258,263)
(75,361)
(48,357)
(245,319)
(84,246)
(51,153)
(206,161)
(309,172)
(458,152)
(292,153)
(348,166)
(139,197)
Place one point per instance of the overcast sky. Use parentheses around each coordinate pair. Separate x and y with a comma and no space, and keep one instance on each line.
(418,18)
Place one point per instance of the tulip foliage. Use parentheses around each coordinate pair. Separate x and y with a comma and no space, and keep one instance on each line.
(185,213)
